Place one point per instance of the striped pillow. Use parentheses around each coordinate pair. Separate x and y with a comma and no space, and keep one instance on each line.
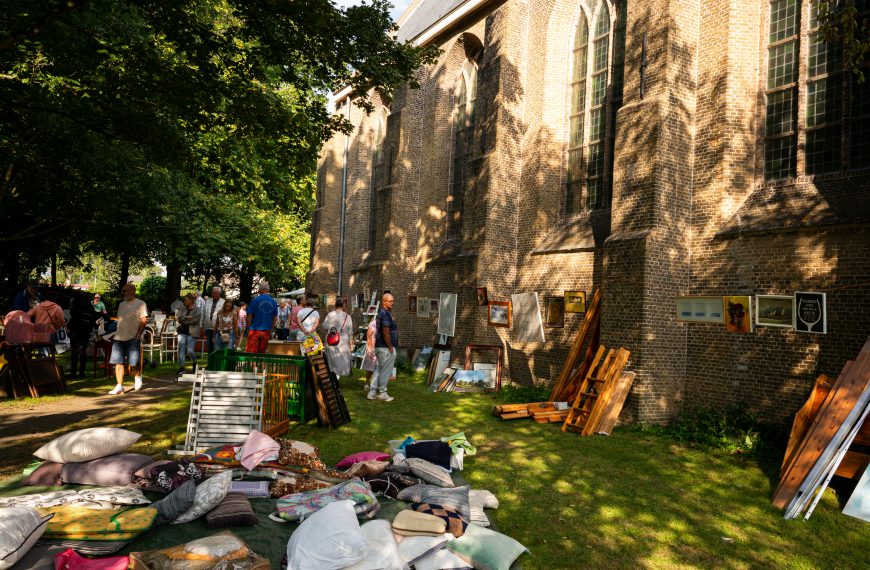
(175,503)
(234,510)
(456,497)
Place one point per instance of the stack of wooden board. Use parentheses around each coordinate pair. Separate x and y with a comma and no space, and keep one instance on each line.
(601,394)
(567,383)
(824,440)
(541,412)
(331,407)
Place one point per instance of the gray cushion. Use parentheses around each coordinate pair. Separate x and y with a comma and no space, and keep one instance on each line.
(234,510)
(175,503)
(429,472)
(111,470)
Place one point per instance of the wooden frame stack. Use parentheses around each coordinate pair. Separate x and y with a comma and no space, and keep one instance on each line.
(574,369)
(840,419)
(331,407)
(594,397)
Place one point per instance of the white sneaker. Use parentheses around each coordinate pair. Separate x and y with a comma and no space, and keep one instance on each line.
(385,397)
(118,389)
(137,383)
(372,396)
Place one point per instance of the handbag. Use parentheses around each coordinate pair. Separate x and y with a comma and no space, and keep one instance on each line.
(311,344)
(61,341)
(333,337)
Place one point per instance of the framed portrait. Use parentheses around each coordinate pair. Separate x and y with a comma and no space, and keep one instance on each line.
(554,312)
(412,304)
(738,313)
(499,314)
(774,311)
(575,302)
(433,307)
(423,307)
(810,312)
(482,298)
(700,310)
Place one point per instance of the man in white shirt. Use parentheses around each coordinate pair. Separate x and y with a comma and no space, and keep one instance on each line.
(132,317)
(210,312)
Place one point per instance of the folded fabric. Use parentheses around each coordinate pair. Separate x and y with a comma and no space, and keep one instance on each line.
(70,560)
(257,448)
(458,441)
(300,454)
(253,489)
(413,523)
(46,475)
(301,505)
(436,452)
(234,510)
(221,454)
(455,524)
(116,469)
(167,477)
(77,523)
(86,547)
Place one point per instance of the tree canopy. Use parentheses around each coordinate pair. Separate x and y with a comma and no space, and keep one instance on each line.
(182,132)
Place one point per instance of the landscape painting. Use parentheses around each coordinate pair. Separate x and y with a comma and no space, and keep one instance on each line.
(774,311)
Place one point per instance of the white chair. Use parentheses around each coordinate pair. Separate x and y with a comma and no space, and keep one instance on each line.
(151,343)
(169,340)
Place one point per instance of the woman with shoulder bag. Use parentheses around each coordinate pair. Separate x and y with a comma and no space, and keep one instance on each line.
(226,325)
(339,340)
(188,318)
(309,320)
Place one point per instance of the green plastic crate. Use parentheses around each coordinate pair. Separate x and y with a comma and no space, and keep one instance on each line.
(292,370)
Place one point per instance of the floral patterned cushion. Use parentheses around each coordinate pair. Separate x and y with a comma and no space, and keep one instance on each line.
(170,476)
(299,506)
(222,454)
(300,454)
(79,523)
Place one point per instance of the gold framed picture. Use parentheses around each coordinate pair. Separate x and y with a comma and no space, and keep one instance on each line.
(575,302)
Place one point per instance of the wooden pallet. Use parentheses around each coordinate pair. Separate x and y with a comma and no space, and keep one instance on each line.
(331,407)
(829,430)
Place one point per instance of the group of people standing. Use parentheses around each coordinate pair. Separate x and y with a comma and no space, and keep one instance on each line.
(217,320)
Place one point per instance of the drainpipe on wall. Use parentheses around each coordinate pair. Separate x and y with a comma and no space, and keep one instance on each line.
(343,207)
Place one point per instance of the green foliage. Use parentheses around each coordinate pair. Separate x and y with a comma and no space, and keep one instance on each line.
(841,25)
(522,394)
(733,429)
(152,290)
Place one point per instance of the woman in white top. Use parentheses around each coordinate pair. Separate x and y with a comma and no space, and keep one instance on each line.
(339,356)
(309,318)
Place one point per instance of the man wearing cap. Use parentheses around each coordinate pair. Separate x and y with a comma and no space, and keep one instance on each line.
(99,306)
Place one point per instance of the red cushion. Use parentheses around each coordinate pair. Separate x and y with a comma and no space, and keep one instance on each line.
(362,456)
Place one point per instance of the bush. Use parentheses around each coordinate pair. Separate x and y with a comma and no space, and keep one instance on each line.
(152,290)
(524,394)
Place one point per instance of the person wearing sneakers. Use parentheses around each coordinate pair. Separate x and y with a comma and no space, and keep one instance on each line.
(132,317)
(386,341)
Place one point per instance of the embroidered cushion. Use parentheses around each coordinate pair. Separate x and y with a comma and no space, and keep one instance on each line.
(429,472)
(87,444)
(79,523)
(330,538)
(46,475)
(486,549)
(456,525)
(145,470)
(20,528)
(234,510)
(222,454)
(116,469)
(412,523)
(208,494)
(169,476)
(300,454)
(362,456)
(301,505)
(456,498)
(115,495)
(176,503)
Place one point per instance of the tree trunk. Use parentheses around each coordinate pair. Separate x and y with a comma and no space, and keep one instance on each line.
(54,270)
(125,270)
(173,282)
(246,283)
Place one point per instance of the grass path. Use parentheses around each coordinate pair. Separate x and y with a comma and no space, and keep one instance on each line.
(632,500)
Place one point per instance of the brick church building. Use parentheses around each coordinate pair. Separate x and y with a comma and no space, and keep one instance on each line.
(654,149)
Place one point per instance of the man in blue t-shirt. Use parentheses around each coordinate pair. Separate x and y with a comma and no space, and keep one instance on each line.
(262,315)
(386,341)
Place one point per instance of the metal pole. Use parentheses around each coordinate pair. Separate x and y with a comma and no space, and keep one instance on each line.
(343,208)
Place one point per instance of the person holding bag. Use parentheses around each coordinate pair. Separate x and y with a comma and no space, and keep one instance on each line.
(309,320)
(339,340)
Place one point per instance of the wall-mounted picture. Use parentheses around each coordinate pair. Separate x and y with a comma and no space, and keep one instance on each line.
(700,310)
(738,313)
(810,312)
(412,304)
(433,307)
(423,307)
(482,298)
(554,312)
(499,314)
(774,311)
(526,321)
(575,302)
(447,314)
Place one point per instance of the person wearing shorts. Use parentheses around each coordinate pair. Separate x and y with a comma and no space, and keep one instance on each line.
(132,317)
(262,317)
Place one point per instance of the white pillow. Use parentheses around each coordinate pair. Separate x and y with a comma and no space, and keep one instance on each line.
(412,547)
(208,495)
(383,549)
(327,540)
(118,495)
(87,444)
(20,528)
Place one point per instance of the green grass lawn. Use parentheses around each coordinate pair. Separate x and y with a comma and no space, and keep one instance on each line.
(631,500)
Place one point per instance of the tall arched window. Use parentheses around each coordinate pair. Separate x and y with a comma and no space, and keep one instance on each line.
(463,141)
(380,176)
(590,131)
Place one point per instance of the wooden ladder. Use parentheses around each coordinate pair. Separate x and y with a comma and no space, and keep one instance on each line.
(587,408)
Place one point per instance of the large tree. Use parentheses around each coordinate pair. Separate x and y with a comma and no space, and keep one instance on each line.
(185,132)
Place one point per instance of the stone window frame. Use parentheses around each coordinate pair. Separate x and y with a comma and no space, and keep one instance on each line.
(579,115)
(843,122)
(462,124)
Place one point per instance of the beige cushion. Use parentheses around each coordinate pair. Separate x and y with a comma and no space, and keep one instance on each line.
(87,444)
(429,472)
(412,523)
